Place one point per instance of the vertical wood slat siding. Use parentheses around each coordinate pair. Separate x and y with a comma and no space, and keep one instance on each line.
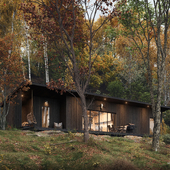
(37,110)
(18,110)
(54,111)
(73,114)
(63,112)
(15,110)
(79,115)
(68,112)
(26,109)
(38,103)
(127,114)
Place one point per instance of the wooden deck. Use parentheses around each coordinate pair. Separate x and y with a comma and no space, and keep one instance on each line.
(82,131)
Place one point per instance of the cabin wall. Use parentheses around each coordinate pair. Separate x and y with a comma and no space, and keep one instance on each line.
(73,113)
(126,114)
(14,115)
(63,112)
(26,109)
(54,104)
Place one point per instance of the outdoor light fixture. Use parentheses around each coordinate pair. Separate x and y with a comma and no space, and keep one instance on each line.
(104,98)
(126,102)
(22,95)
(147,106)
(46,103)
(101,106)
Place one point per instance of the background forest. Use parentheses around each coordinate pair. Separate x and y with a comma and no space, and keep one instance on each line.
(118,70)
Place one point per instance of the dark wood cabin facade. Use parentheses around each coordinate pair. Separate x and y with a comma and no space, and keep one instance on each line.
(103,111)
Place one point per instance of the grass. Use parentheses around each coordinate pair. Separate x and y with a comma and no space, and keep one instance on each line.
(24,150)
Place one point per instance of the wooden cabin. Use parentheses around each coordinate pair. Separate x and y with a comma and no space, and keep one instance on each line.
(49,106)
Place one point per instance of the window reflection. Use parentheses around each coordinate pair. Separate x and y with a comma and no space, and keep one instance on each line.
(99,121)
(103,121)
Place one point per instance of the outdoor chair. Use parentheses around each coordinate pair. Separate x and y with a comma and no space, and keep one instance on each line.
(31,119)
(57,125)
(114,129)
(122,129)
(131,128)
(108,126)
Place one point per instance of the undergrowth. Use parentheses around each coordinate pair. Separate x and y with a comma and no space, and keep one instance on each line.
(24,150)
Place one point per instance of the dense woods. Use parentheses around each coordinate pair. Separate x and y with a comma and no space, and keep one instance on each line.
(123,52)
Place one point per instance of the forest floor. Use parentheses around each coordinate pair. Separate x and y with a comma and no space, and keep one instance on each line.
(50,150)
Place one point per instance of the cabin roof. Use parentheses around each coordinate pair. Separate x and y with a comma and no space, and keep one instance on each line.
(106,98)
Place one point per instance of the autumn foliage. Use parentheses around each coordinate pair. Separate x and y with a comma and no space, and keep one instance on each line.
(10,63)
(44,19)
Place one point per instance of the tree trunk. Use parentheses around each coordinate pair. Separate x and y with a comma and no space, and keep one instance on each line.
(46,62)
(23,72)
(156,133)
(84,111)
(28,53)
(29,62)
(3,121)
(157,109)
(3,117)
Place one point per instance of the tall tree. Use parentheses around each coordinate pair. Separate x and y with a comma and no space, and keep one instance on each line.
(145,26)
(62,21)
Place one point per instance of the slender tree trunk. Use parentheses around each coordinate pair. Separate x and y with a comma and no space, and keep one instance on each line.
(83,103)
(3,117)
(46,62)
(156,129)
(28,53)
(23,72)
(165,89)
(157,114)
(3,121)
(130,76)
(84,111)
(29,61)
(13,21)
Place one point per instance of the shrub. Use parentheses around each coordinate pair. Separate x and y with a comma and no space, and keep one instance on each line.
(71,135)
(91,142)
(163,127)
(166,138)
(47,149)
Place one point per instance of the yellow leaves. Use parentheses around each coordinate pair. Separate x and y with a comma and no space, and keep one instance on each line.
(1,159)
(9,11)
(10,72)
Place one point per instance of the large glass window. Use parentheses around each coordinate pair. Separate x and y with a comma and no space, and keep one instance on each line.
(111,121)
(103,121)
(95,120)
(99,121)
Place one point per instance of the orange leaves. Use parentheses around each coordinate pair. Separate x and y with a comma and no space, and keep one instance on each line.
(10,63)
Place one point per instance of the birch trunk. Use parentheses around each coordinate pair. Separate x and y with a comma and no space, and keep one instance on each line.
(29,61)
(46,62)
(28,53)
(160,71)
(23,72)
(13,21)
